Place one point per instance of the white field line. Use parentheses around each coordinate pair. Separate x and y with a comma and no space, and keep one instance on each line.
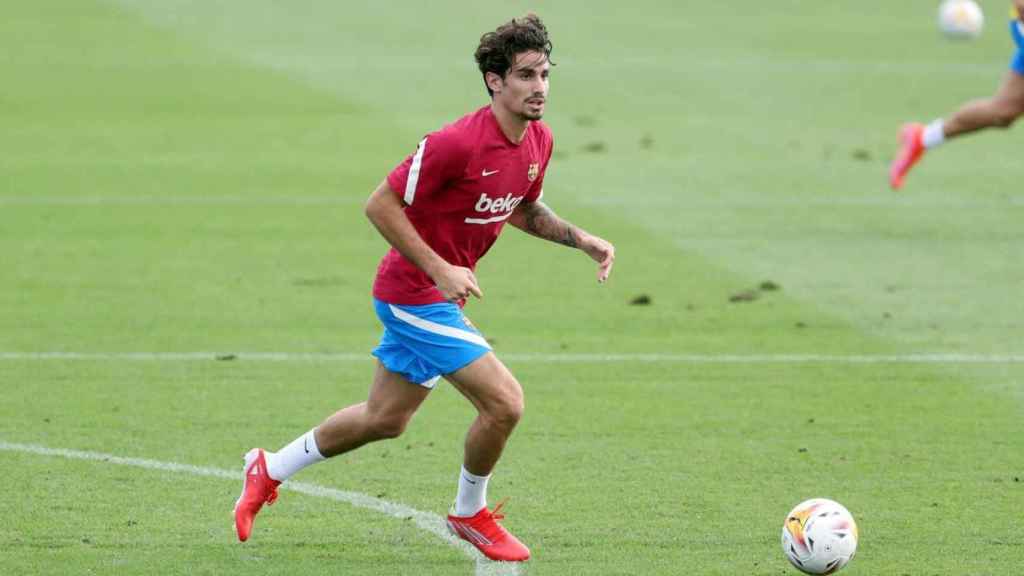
(426,521)
(258,199)
(922,358)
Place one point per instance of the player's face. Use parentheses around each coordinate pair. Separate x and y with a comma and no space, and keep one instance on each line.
(524,89)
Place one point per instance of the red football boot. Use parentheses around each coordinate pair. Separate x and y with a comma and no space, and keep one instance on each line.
(483,531)
(911,150)
(259,488)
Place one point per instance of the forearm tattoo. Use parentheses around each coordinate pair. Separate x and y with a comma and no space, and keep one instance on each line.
(542,222)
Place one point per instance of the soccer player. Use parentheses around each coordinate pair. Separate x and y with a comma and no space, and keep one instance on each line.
(1000,111)
(441,210)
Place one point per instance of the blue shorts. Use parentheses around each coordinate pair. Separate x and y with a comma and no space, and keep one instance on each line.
(422,343)
(1017,31)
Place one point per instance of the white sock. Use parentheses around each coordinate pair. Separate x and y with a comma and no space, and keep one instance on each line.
(933,134)
(472,495)
(300,453)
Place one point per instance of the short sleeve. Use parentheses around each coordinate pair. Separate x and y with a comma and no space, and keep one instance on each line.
(439,158)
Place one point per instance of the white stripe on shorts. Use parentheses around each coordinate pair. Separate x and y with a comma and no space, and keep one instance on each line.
(436,328)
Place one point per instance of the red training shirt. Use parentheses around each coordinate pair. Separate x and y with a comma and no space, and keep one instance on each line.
(459,188)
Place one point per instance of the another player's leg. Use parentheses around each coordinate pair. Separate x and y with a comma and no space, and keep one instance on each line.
(911,149)
(498,398)
(999,111)
(391,404)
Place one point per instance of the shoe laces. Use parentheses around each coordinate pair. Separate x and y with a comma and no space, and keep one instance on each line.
(489,526)
(496,514)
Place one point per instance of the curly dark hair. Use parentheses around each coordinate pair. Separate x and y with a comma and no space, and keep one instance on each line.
(497,50)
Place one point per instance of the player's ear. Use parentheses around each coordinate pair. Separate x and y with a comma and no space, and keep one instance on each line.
(494,82)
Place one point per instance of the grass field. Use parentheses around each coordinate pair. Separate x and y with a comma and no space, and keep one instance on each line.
(184,180)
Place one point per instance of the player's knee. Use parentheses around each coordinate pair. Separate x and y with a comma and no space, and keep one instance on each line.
(383,426)
(1007,113)
(506,415)
(1005,120)
(507,410)
(513,411)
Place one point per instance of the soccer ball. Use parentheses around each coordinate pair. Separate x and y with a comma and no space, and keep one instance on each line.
(961,19)
(819,536)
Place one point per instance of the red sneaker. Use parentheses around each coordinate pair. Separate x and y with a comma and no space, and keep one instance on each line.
(911,149)
(259,488)
(483,531)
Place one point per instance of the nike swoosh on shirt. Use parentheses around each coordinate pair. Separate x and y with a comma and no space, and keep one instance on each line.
(486,173)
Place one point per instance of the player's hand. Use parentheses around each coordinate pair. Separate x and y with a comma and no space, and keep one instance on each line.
(602,252)
(457,283)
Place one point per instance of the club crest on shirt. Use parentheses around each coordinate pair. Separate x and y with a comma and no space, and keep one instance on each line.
(532,173)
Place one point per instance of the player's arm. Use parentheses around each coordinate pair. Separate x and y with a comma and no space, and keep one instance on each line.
(385,210)
(537,219)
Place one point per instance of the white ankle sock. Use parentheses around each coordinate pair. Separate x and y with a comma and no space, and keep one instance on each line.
(300,453)
(933,134)
(472,495)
